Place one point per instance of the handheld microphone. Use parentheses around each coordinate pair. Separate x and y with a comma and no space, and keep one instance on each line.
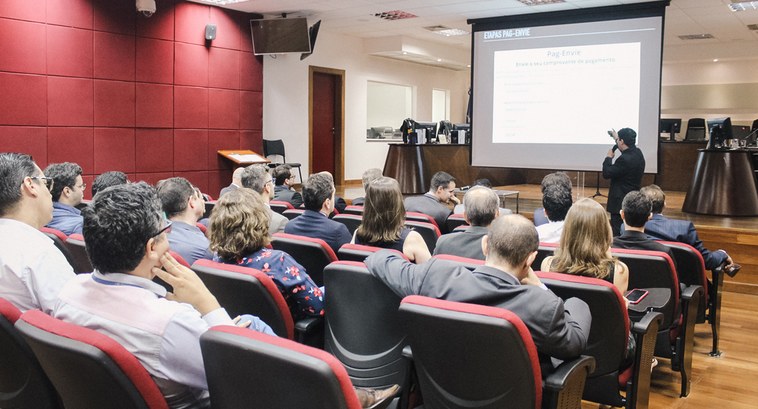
(610,133)
(614,148)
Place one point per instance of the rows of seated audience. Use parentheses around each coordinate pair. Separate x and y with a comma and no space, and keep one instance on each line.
(135,232)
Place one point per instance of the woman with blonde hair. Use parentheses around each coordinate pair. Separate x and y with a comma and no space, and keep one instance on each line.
(239,235)
(585,246)
(383,222)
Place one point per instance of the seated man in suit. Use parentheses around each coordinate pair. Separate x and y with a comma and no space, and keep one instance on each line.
(482,207)
(556,202)
(663,228)
(108,179)
(461,207)
(184,207)
(636,210)
(68,192)
(284,179)
(559,329)
(318,193)
(32,269)
(436,202)
(256,178)
(368,176)
(236,181)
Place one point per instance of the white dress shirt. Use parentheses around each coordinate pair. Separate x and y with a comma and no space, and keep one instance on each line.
(550,232)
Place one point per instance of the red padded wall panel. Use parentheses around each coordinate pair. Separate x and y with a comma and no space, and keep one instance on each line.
(155,61)
(190,107)
(19,9)
(223,68)
(251,110)
(114,103)
(223,109)
(115,16)
(114,56)
(252,140)
(22,48)
(26,139)
(155,105)
(228,34)
(151,178)
(114,150)
(69,101)
(23,99)
(190,20)
(191,65)
(217,180)
(251,71)
(161,24)
(218,140)
(71,144)
(69,51)
(190,149)
(72,13)
(155,150)
(199,179)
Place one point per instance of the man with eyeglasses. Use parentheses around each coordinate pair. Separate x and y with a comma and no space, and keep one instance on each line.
(32,269)
(283,182)
(435,202)
(68,193)
(256,178)
(184,206)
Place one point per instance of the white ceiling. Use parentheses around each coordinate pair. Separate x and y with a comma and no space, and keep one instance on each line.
(733,40)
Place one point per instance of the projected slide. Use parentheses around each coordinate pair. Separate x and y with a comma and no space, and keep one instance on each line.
(601,81)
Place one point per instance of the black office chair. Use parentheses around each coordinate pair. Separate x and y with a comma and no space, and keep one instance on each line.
(695,130)
(276,148)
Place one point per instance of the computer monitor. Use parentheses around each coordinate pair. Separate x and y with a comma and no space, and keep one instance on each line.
(720,130)
(461,134)
(429,131)
(671,126)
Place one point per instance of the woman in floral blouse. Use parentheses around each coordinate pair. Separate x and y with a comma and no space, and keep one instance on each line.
(239,235)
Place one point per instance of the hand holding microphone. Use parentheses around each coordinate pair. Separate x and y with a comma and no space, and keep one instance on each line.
(612,133)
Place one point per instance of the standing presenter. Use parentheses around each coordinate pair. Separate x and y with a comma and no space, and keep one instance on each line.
(625,174)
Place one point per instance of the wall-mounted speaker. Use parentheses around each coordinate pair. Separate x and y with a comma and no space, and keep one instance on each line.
(312,33)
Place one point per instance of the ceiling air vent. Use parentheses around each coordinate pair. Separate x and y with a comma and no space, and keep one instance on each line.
(446,31)
(753,27)
(697,36)
(394,15)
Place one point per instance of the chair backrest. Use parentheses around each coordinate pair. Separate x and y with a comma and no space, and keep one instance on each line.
(539,217)
(209,205)
(280,206)
(250,370)
(610,321)
(466,354)
(351,221)
(543,251)
(470,263)
(23,383)
(695,129)
(359,252)
(421,217)
(274,147)
(690,268)
(653,269)
(455,220)
(364,332)
(88,369)
(429,232)
(77,249)
(203,228)
(313,254)
(292,213)
(59,239)
(244,290)
(352,209)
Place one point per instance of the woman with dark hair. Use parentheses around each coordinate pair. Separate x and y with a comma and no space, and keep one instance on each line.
(383,222)
(239,235)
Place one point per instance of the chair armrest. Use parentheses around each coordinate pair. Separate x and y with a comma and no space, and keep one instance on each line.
(408,352)
(310,331)
(563,387)
(692,291)
(645,332)
(560,377)
(308,325)
(643,326)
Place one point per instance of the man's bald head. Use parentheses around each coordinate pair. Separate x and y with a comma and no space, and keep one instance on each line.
(511,239)
(481,206)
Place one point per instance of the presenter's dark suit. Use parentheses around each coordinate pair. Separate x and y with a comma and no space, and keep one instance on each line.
(316,225)
(625,175)
(683,231)
(285,194)
(462,244)
(429,204)
(635,240)
(559,329)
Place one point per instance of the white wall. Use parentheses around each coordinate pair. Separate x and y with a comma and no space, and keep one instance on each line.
(285,97)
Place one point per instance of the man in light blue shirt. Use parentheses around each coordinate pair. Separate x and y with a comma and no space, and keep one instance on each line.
(184,207)
(68,192)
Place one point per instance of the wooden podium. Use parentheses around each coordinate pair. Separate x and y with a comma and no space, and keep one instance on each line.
(243,157)
(723,184)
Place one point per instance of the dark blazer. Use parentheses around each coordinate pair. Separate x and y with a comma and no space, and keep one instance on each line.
(315,224)
(625,176)
(635,240)
(559,329)
(228,189)
(429,205)
(683,231)
(286,194)
(463,244)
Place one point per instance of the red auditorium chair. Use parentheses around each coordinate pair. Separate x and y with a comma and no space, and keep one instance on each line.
(77,249)
(351,221)
(655,271)
(543,251)
(363,328)
(87,368)
(352,209)
(280,206)
(209,205)
(292,213)
(59,239)
(467,354)
(428,231)
(313,254)
(455,220)
(608,340)
(359,252)
(421,217)
(243,290)
(23,383)
(250,370)
(470,263)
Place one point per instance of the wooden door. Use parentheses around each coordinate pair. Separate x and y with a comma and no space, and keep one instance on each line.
(326,122)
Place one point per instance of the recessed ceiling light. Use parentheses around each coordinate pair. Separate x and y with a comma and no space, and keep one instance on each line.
(704,36)
(446,31)
(743,5)
(439,59)
(715,60)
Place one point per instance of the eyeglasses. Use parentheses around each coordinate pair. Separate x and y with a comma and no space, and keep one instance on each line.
(166,228)
(48,182)
(82,186)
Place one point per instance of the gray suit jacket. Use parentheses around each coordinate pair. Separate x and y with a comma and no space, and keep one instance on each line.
(463,244)
(286,194)
(428,204)
(559,329)
(276,222)
(228,189)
